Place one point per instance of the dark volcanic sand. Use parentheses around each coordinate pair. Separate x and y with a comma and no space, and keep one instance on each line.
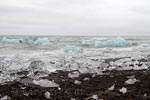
(95,85)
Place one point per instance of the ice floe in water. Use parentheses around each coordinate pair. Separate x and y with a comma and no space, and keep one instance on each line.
(116,42)
(12,41)
(92,41)
(42,41)
(72,49)
(45,83)
(143,48)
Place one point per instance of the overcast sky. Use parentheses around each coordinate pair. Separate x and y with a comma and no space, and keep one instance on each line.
(75,17)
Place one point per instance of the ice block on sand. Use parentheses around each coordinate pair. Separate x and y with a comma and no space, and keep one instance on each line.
(72,49)
(42,41)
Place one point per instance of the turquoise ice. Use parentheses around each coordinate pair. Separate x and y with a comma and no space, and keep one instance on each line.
(12,41)
(42,41)
(72,49)
(116,42)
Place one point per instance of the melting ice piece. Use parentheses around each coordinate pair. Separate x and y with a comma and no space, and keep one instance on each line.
(95,97)
(83,70)
(77,82)
(12,41)
(45,83)
(73,74)
(112,87)
(143,48)
(116,42)
(26,39)
(92,41)
(42,41)
(47,95)
(131,81)
(123,90)
(5,98)
(72,49)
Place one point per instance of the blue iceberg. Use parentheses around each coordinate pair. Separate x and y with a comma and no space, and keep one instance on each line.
(26,39)
(42,41)
(93,41)
(12,41)
(72,49)
(116,42)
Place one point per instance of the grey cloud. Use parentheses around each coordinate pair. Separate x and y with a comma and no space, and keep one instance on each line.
(75,17)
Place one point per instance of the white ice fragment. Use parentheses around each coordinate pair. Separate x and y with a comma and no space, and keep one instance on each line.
(123,90)
(73,74)
(143,48)
(131,81)
(86,79)
(59,88)
(42,41)
(144,66)
(47,95)
(45,83)
(77,82)
(26,94)
(83,70)
(95,97)
(72,49)
(145,95)
(5,98)
(112,87)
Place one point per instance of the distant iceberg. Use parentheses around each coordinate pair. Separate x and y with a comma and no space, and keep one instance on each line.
(12,41)
(72,49)
(116,42)
(42,41)
(26,39)
(92,41)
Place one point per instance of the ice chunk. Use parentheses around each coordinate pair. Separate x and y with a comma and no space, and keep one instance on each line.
(92,41)
(112,87)
(73,74)
(72,49)
(83,70)
(123,90)
(12,41)
(86,79)
(77,82)
(45,83)
(116,42)
(143,48)
(42,41)
(26,39)
(47,95)
(5,98)
(95,97)
(131,81)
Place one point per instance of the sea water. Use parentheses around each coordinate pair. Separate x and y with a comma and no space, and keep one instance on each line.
(51,57)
